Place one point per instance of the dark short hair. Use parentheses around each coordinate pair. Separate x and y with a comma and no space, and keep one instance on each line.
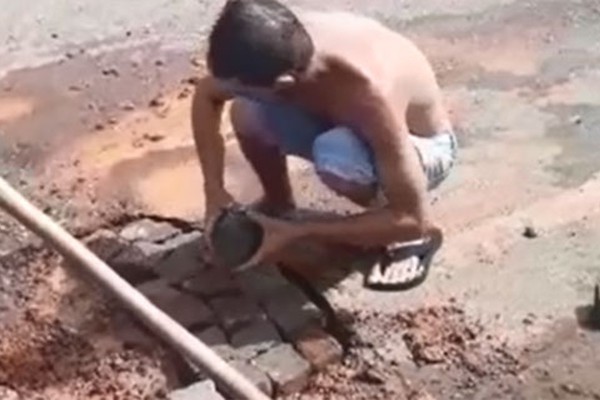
(256,41)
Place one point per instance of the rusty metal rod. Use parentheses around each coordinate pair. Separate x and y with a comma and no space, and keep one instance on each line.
(154,318)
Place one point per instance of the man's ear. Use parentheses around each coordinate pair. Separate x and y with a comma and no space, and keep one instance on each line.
(284,81)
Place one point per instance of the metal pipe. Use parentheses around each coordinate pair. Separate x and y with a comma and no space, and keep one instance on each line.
(154,318)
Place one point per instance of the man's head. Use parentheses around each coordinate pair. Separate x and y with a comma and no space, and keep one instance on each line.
(258,43)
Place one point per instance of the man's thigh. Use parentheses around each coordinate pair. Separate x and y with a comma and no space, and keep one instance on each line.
(289,127)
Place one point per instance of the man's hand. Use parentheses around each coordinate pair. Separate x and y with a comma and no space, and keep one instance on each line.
(216,203)
(277,235)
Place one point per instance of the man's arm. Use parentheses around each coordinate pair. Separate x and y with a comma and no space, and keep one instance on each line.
(207,109)
(404,218)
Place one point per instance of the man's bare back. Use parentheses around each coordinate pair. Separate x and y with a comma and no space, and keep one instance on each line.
(387,59)
(357,99)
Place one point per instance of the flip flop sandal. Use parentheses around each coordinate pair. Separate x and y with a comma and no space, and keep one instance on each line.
(420,252)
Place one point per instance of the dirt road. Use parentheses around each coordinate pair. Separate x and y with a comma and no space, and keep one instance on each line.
(94,126)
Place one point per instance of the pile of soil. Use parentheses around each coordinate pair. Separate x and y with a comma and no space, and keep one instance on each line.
(443,335)
(58,340)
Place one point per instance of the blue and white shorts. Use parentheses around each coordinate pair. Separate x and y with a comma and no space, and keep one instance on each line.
(338,150)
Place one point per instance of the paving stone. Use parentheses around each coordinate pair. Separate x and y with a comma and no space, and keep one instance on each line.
(205,390)
(292,312)
(130,332)
(255,339)
(285,367)
(186,309)
(183,260)
(211,283)
(148,230)
(262,283)
(105,244)
(234,312)
(318,347)
(215,338)
(254,375)
(284,303)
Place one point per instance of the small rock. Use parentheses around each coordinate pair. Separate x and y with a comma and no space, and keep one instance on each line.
(158,101)
(370,376)
(576,120)
(185,93)
(530,232)
(571,389)
(286,368)
(111,71)
(159,62)
(196,61)
(54,35)
(149,230)
(74,88)
(127,106)
(205,390)
(319,348)
(153,137)
(99,126)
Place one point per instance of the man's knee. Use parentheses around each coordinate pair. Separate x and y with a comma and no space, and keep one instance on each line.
(245,117)
(361,194)
(344,163)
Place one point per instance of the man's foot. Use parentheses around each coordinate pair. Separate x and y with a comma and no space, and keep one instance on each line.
(403,266)
(273,208)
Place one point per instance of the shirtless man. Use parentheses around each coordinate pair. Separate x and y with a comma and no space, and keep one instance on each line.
(357,99)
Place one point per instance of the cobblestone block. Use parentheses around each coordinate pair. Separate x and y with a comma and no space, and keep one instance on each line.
(215,338)
(262,284)
(186,309)
(285,367)
(254,375)
(130,332)
(318,347)
(284,303)
(292,312)
(105,244)
(211,282)
(135,262)
(205,390)
(184,258)
(234,312)
(255,339)
(149,231)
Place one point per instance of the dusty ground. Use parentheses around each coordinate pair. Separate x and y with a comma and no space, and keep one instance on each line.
(96,129)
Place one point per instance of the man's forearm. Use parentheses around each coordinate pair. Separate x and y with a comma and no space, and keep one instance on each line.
(210,146)
(372,228)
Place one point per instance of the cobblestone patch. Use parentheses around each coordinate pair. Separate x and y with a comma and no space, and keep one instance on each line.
(259,322)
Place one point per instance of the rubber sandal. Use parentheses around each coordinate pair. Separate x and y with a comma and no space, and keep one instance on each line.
(423,250)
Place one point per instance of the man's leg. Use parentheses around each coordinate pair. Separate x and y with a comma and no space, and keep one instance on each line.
(267,132)
(263,153)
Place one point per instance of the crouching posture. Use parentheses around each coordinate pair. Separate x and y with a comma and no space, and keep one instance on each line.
(358,100)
